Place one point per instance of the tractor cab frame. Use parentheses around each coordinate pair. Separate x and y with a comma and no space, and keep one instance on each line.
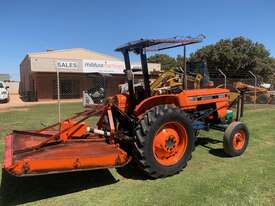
(140,47)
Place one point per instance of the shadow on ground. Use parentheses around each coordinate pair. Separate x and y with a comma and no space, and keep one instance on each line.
(206,142)
(19,190)
(131,171)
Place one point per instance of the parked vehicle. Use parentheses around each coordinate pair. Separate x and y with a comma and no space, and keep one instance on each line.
(4,93)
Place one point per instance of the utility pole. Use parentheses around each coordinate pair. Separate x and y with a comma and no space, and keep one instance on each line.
(58,93)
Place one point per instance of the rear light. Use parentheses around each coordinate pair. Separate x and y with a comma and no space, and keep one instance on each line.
(210,117)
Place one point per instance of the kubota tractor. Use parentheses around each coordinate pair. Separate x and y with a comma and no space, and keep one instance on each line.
(158,132)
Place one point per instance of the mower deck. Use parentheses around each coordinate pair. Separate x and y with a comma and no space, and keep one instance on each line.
(55,156)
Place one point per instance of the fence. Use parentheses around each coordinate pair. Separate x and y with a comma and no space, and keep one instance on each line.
(95,88)
(256,93)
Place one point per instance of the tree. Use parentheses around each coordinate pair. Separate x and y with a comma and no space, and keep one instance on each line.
(236,57)
(180,61)
(165,60)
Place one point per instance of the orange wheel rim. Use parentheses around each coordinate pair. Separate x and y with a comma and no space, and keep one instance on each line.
(170,143)
(238,140)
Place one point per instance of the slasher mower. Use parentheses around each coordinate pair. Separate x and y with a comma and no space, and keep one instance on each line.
(157,131)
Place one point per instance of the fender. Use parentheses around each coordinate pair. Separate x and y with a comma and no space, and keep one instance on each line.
(150,102)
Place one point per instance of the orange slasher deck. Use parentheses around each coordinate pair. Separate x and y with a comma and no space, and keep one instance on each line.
(75,154)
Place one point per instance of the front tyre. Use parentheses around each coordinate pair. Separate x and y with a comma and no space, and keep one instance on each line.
(236,138)
(164,141)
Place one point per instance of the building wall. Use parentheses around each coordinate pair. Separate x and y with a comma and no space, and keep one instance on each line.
(44,64)
(25,76)
(38,72)
(13,87)
(49,65)
(46,83)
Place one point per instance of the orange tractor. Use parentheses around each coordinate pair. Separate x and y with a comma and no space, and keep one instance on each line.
(157,132)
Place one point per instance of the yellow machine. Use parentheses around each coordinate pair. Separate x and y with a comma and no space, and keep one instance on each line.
(171,79)
(264,97)
(166,81)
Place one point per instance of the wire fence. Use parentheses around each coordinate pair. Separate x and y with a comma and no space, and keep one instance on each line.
(95,88)
(96,93)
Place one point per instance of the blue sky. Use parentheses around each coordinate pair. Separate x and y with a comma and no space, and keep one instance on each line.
(100,25)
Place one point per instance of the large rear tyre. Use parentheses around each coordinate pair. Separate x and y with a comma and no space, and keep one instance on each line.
(164,141)
(236,138)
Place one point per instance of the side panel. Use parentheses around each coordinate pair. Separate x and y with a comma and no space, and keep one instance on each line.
(80,154)
(188,99)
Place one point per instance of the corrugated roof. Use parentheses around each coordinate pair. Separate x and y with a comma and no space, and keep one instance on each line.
(75,53)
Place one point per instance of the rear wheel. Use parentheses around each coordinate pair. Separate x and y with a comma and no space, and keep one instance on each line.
(236,138)
(164,141)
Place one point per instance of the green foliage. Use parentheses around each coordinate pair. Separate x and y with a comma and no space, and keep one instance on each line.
(236,56)
(180,61)
(165,60)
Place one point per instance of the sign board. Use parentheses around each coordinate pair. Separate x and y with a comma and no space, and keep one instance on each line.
(97,66)
(66,65)
(101,66)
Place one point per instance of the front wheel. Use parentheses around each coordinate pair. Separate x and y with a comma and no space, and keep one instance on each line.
(164,141)
(236,138)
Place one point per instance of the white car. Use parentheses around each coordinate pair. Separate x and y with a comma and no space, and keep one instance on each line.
(4,93)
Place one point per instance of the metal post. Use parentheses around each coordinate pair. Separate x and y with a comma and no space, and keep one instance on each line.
(145,73)
(255,86)
(242,104)
(223,76)
(238,109)
(184,67)
(58,94)
(129,75)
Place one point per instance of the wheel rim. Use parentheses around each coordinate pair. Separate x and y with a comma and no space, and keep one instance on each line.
(239,140)
(170,143)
